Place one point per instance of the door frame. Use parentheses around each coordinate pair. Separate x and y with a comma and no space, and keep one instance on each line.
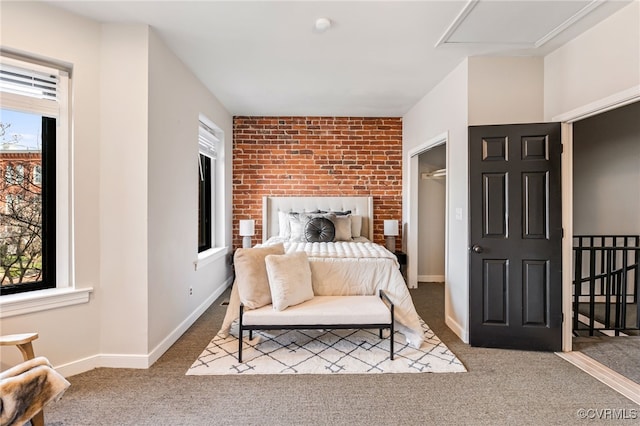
(567,119)
(412,210)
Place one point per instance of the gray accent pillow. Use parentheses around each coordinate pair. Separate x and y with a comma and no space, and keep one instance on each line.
(319,230)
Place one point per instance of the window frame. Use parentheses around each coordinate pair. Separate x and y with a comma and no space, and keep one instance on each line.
(210,138)
(205,210)
(56,193)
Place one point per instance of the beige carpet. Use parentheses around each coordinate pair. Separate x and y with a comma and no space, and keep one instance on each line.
(501,387)
(324,352)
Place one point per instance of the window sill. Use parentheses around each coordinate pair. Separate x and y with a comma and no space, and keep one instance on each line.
(42,300)
(209,256)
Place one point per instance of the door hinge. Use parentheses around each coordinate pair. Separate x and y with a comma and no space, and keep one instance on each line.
(562,232)
(561,148)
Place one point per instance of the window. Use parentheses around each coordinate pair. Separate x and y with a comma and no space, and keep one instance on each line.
(204,204)
(37,174)
(13,173)
(207,156)
(32,117)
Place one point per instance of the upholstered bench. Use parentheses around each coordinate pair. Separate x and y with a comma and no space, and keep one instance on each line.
(322,312)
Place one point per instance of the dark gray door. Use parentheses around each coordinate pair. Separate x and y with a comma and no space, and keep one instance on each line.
(516,237)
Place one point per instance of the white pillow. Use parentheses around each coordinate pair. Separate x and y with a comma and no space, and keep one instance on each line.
(343,227)
(289,279)
(284,229)
(296,226)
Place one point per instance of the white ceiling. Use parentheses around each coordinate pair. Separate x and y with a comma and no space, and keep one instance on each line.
(378,58)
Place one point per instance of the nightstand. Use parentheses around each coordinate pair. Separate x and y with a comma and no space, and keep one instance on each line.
(402,260)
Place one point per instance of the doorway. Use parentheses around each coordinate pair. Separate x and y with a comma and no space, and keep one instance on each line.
(431,214)
(431,164)
(605,197)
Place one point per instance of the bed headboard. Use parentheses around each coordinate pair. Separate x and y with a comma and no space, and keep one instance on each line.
(272,205)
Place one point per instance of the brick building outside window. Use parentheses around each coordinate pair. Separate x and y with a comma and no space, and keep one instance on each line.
(20,215)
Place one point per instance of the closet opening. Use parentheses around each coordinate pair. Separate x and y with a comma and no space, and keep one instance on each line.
(431,214)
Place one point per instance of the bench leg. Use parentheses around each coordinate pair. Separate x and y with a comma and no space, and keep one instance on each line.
(391,342)
(38,419)
(240,343)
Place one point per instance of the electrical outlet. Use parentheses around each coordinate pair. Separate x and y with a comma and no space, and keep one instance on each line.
(190,291)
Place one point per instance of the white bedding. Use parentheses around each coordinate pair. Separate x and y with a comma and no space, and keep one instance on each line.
(351,268)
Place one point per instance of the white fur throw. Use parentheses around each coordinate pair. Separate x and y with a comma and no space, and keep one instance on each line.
(26,388)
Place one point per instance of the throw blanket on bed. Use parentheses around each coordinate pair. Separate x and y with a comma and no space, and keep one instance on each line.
(342,250)
(26,388)
(350,268)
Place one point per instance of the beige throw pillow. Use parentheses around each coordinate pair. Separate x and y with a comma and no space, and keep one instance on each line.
(356,226)
(289,279)
(251,274)
(343,227)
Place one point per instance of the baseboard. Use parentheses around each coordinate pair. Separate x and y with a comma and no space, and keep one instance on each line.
(141,361)
(614,380)
(79,366)
(103,360)
(457,329)
(431,278)
(157,352)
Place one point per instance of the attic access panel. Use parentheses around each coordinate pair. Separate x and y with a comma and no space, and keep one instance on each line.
(526,23)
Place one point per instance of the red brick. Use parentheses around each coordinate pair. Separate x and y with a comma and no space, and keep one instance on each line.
(324,156)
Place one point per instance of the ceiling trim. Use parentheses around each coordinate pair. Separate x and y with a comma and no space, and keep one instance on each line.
(572,20)
(466,10)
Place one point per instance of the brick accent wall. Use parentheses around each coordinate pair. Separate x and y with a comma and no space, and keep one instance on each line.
(322,156)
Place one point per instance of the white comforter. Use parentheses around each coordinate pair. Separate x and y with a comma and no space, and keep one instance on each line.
(352,268)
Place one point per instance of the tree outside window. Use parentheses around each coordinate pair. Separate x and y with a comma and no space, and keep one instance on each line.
(21,226)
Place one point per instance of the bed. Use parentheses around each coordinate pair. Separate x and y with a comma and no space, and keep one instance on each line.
(347,265)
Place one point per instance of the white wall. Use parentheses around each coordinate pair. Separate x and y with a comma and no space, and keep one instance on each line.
(173,197)
(71,333)
(123,189)
(444,109)
(600,62)
(606,173)
(481,91)
(505,90)
(135,126)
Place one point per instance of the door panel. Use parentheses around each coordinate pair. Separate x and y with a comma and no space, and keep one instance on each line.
(495,205)
(516,235)
(535,280)
(495,291)
(535,190)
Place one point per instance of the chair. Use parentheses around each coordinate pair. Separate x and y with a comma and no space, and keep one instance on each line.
(23,342)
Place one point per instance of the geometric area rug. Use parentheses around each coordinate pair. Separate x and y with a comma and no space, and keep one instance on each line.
(324,352)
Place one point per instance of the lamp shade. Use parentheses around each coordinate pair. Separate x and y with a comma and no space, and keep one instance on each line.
(391,227)
(247,228)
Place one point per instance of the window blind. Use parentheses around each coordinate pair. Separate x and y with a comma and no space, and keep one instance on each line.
(208,141)
(30,87)
(28,82)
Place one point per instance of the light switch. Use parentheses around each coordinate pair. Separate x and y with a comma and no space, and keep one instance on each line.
(459,213)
